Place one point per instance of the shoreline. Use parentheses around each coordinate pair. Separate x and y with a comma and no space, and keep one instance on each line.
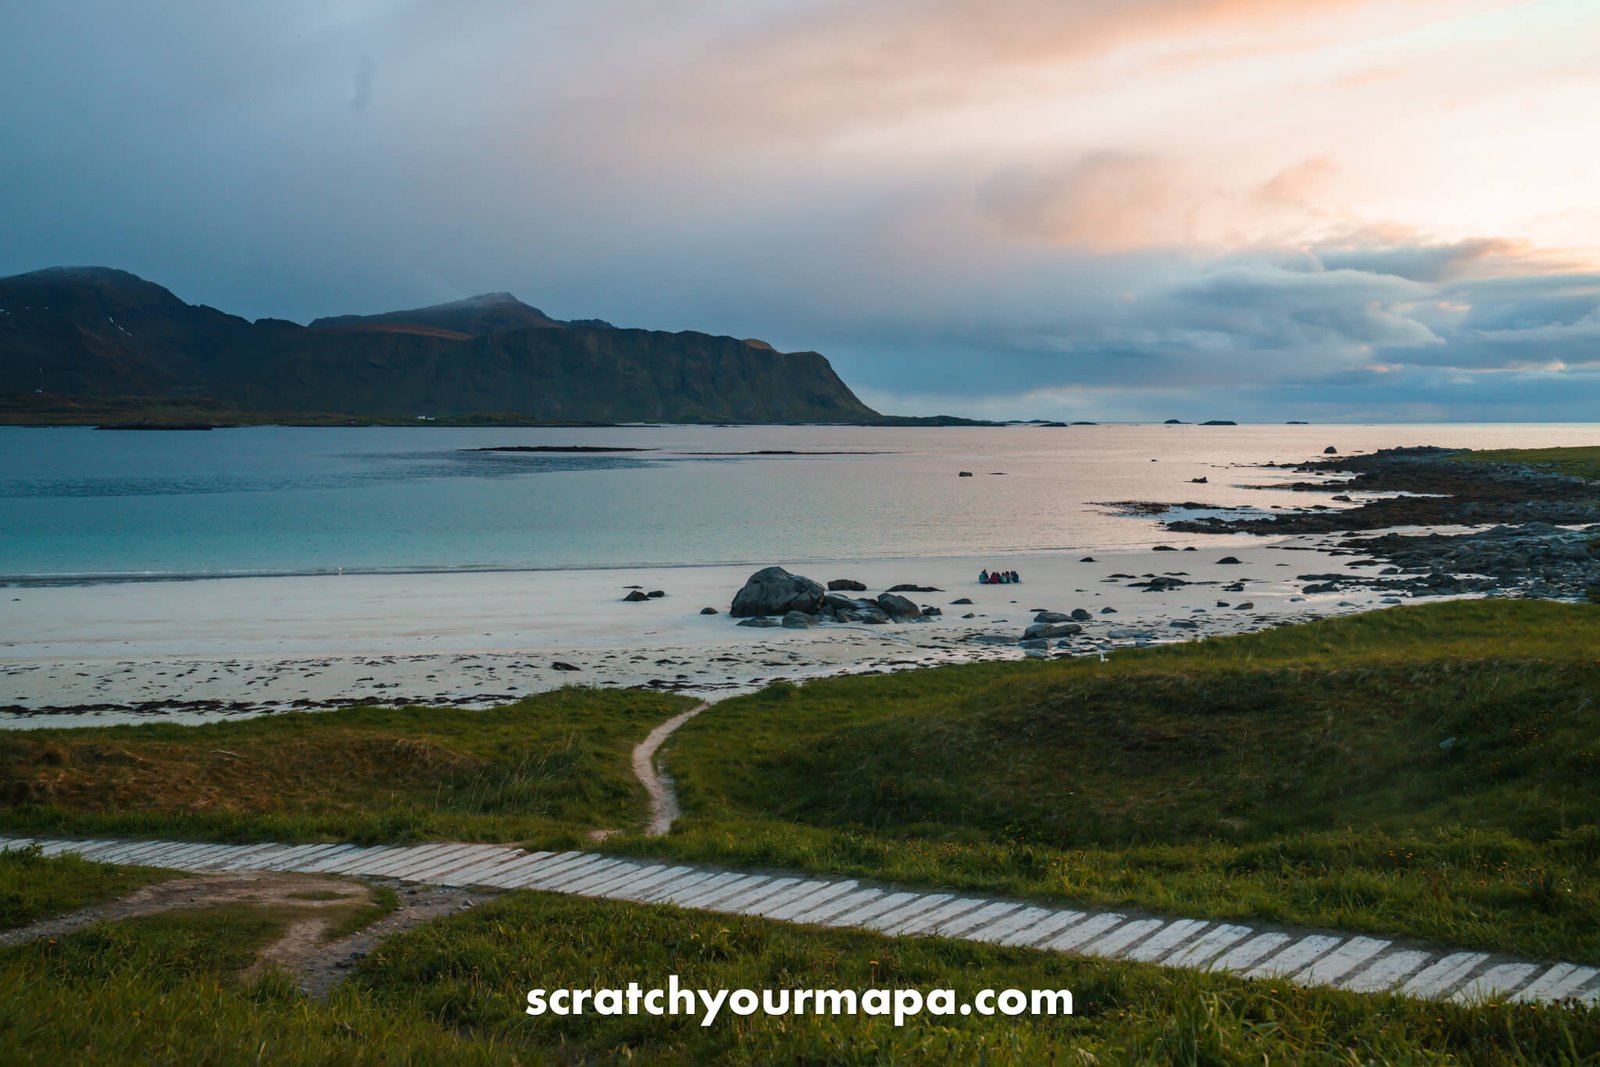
(209,648)
(195,649)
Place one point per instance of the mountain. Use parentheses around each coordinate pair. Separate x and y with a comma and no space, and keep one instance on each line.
(72,338)
(487,313)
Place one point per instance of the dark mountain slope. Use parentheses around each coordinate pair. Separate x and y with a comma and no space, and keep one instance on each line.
(86,334)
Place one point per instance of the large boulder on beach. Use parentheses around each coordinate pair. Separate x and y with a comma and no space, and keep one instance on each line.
(774,591)
(898,607)
(1051,629)
(848,609)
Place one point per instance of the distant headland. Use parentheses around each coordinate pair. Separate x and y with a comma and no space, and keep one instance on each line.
(98,345)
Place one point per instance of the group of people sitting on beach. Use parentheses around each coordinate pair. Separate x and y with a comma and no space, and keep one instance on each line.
(988,577)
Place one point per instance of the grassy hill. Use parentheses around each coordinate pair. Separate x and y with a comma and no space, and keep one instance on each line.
(1432,771)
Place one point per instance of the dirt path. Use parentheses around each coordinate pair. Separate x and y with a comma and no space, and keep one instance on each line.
(320,901)
(316,904)
(323,968)
(663,798)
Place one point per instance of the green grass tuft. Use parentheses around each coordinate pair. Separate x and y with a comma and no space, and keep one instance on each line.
(1580,462)
(547,768)
(33,887)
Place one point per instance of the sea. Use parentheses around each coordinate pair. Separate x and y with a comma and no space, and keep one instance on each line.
(87,505)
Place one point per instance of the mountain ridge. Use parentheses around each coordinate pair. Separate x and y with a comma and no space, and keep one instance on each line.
(82,335)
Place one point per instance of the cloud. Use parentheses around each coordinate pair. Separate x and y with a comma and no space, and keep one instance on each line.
(816,70)
(1104,201)
(970,206)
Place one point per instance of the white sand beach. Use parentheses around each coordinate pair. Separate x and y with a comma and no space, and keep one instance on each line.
(194,650)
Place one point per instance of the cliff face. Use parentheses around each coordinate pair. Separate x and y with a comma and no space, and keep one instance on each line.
(98,333)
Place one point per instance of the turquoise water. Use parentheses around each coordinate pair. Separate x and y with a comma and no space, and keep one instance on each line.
(94,504)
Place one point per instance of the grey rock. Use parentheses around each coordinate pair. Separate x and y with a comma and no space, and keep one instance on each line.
(797,620)
(1052,616)
(846,585)
(898,607)
(1051,629)
(656,594)
(759,620)
(1081,615)
(914,589)
(774,591)
(635,597)
(992,639)
(961,600)
(708,611)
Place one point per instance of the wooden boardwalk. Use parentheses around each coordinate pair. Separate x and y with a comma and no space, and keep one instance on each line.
(1360,963)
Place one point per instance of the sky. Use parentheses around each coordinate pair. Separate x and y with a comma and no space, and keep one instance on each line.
(1262,210)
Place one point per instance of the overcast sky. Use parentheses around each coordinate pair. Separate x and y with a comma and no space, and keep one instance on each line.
(1096,209)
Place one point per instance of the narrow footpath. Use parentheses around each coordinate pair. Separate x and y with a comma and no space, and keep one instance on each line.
(663,798)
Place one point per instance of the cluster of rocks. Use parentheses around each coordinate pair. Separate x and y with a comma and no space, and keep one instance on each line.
(774,597)
(1430,487)
(1527,553)
(1533,559)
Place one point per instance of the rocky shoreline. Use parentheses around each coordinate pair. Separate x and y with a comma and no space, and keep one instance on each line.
(1542,540)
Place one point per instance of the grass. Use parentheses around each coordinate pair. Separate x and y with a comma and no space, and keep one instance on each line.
(1579,462)
(548,768)
(166,989)
(382,901)
(34,888)
(1429,771)
(453,991)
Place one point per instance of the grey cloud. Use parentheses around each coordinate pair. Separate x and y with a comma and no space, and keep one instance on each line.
(1422,263)
(249,157)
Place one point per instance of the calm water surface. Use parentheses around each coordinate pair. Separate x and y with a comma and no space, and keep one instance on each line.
(80,502)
